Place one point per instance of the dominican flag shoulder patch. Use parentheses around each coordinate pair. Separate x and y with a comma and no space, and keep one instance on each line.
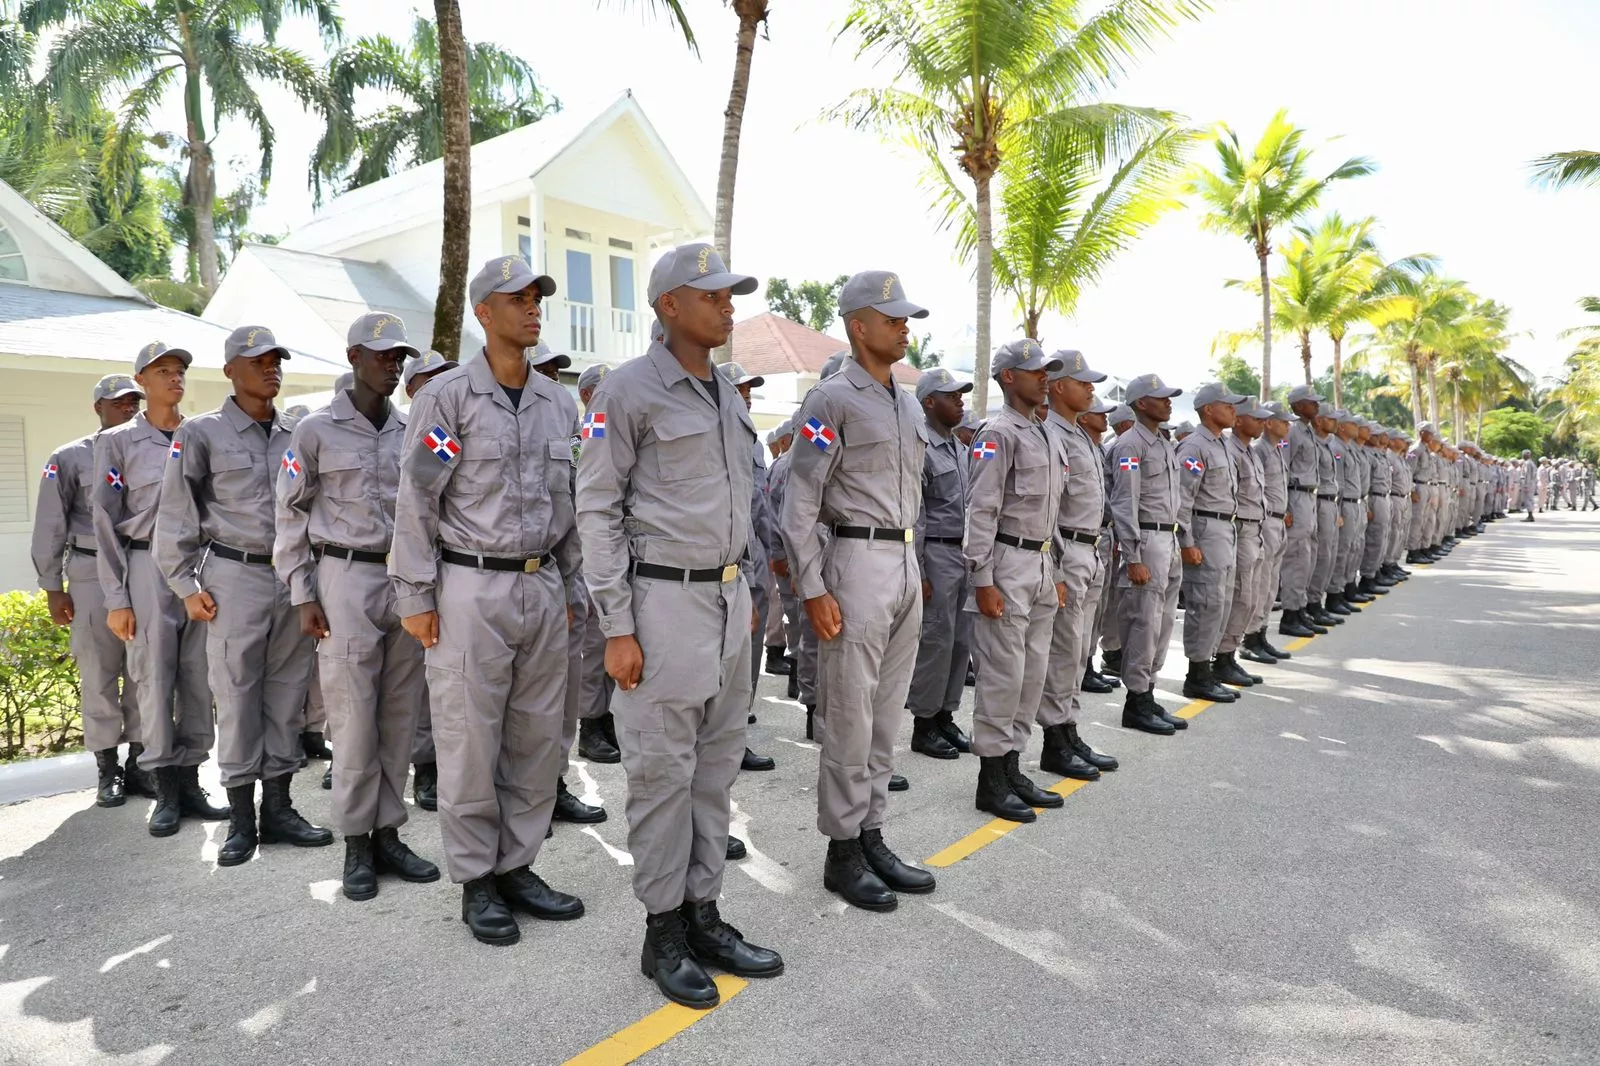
(1284,443)
(114,479)
(984,449)
(1194,465)
(441,443)
(594,426)
(51,471)
(291,464)
(176,451)
(1128,462)
(819,433)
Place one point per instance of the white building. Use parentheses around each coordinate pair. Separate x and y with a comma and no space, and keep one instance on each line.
(586,197)
(67,320)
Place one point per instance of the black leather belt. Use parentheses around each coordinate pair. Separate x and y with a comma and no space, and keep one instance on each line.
(1242,518)
(1276,514)
(874,533)
(942,540)
(1216,515)
(531,565)
(1334,498)
(90,552)
(1091,539)
(334,551)
(721,574)
(1164,527)
(1303,488)
(1024,544)
(222,551)
(136,545)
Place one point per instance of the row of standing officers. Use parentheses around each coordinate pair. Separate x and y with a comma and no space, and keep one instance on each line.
(469,585)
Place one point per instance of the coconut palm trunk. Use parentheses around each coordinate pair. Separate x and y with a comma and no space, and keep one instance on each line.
(450,304)
(1433,392)
(752,13)
(200,184)
(1305,354)
(1456,419)
(980,365)
(1415,359)
(1262,254)
(1338,369)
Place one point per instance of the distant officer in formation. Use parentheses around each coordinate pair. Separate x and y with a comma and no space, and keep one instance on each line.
(1209,487)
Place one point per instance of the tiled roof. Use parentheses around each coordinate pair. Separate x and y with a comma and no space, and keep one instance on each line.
(772,344)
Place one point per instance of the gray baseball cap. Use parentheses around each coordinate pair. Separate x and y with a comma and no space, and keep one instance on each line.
(1215,392)
(970,420)
(247,342)
(881,291)
(1025,354)
(116,386)
(1254,409)
(834,364)
(508,273)
(1347,416)
(781,430)
(430,362)
(737,376)
(699,267)
(1275,410)
(1120,413)
(1149,385)
(155,350)
(939,380)
(1183,428)
(1305,392)
(347,380)
(380,332)
(542,354)
(592,376)
(1074,366)
(1102,407)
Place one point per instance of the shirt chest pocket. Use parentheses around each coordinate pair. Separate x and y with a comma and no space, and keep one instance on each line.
(868,446)
(944,481)
(559,471)
(343,475)
(480,465)
(143,478)
(1031,475)
(237,476)
(686,447)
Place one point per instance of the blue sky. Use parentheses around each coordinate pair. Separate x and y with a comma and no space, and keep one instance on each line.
(1451,98)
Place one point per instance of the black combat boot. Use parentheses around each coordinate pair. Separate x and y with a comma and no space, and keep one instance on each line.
(1138,713)
(1353,593)
(898,783)
(1200,685)
(736,849)
(486,914)
(425,785)
(135,780)
(667,960)
(315,745)
(891,870)
(953,733)
(1060,757)
(757,763)
(1225,669)
(242,836)
(1111,663)
(778,664)
(193,800)
(527,891)
(847,873)
(281,823)
(164,816)
(570,808)
(994,792)
(926,739)
(108,792)
(593,744)
(390,855)
(1254,649)
(1266,645)
(1293,624)
(360,875)
(1093,682)
(1099,760)
(716,943)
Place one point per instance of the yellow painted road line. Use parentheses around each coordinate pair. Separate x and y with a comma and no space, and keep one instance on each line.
(1195,708)
(988,834)
(1297,644)
(653,1030)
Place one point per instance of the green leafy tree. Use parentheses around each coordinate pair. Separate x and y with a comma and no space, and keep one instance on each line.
(355,150)
(1508,432)
(979,79)
(1560,170)
(1236,375)
(814,304)
(1253,192)
(920,353)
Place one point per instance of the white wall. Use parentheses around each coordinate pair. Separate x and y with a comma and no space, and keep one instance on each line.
(251,294)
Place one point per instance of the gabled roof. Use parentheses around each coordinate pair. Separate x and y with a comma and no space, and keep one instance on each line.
(403,200)
(62,253)
(47,324)
(340,291)
(772,344)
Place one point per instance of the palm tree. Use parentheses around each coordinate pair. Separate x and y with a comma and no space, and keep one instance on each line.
(1559,170)
(752,16)
(676,17)
(1417,322)
(137,55)
(455,94)
(982,78)
(503,95)
(1064,222)
(1252,193)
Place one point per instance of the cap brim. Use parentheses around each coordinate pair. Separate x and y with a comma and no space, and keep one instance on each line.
(900,309)
(1087,376)
(127,390)
(388,345)
(183,355)
(1162,394)
(738,284)
(261,349)
(1101,408)
(755,381)
(561,361)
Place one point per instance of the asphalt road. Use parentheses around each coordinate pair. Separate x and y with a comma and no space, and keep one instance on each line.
(1387,856)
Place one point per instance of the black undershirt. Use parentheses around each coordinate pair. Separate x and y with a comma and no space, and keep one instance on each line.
(710,385)
(514,395)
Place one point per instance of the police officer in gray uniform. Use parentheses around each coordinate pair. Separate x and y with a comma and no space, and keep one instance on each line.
(1324,609)
(335,516)
(1208,486)
(1093,422)
(945,647)
(64,554)
(1080,535)
(483,523)
(1272,448)
(1352,508)
(1019,471)
(166,651)
(664,490)
(596,729)
(857,469)
(213,544)
(1250,513)
(1144,509)
(1121,419)
(1304,460)
(1379,478)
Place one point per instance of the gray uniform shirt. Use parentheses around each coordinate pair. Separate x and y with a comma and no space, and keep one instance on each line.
(1274,472)
(337,485)
(945,474)
(1019,473)
(670,482)
(1304,458)
(477,475)
(129,463)
(1249,479)
(64,513)
(1083,503)
(1379,475)
(218,488)
(1328,465)
(1144,487)
(868,474)
(1347,457)
(1207,481)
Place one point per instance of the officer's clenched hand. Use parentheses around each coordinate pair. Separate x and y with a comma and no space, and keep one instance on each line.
(1288,521)
(1341,522)
(927,590)
(201,607)
(1138,573)
(1061,594)
(121,623)
(424,626)
(624,661)
(313,623)
(60,604)
(990,603)
(1193,557)
(780,567)
(823,611)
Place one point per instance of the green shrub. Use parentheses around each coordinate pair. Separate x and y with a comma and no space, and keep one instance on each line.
(39,696)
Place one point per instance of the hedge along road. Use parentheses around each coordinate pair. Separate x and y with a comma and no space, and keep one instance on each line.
(1385,855)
